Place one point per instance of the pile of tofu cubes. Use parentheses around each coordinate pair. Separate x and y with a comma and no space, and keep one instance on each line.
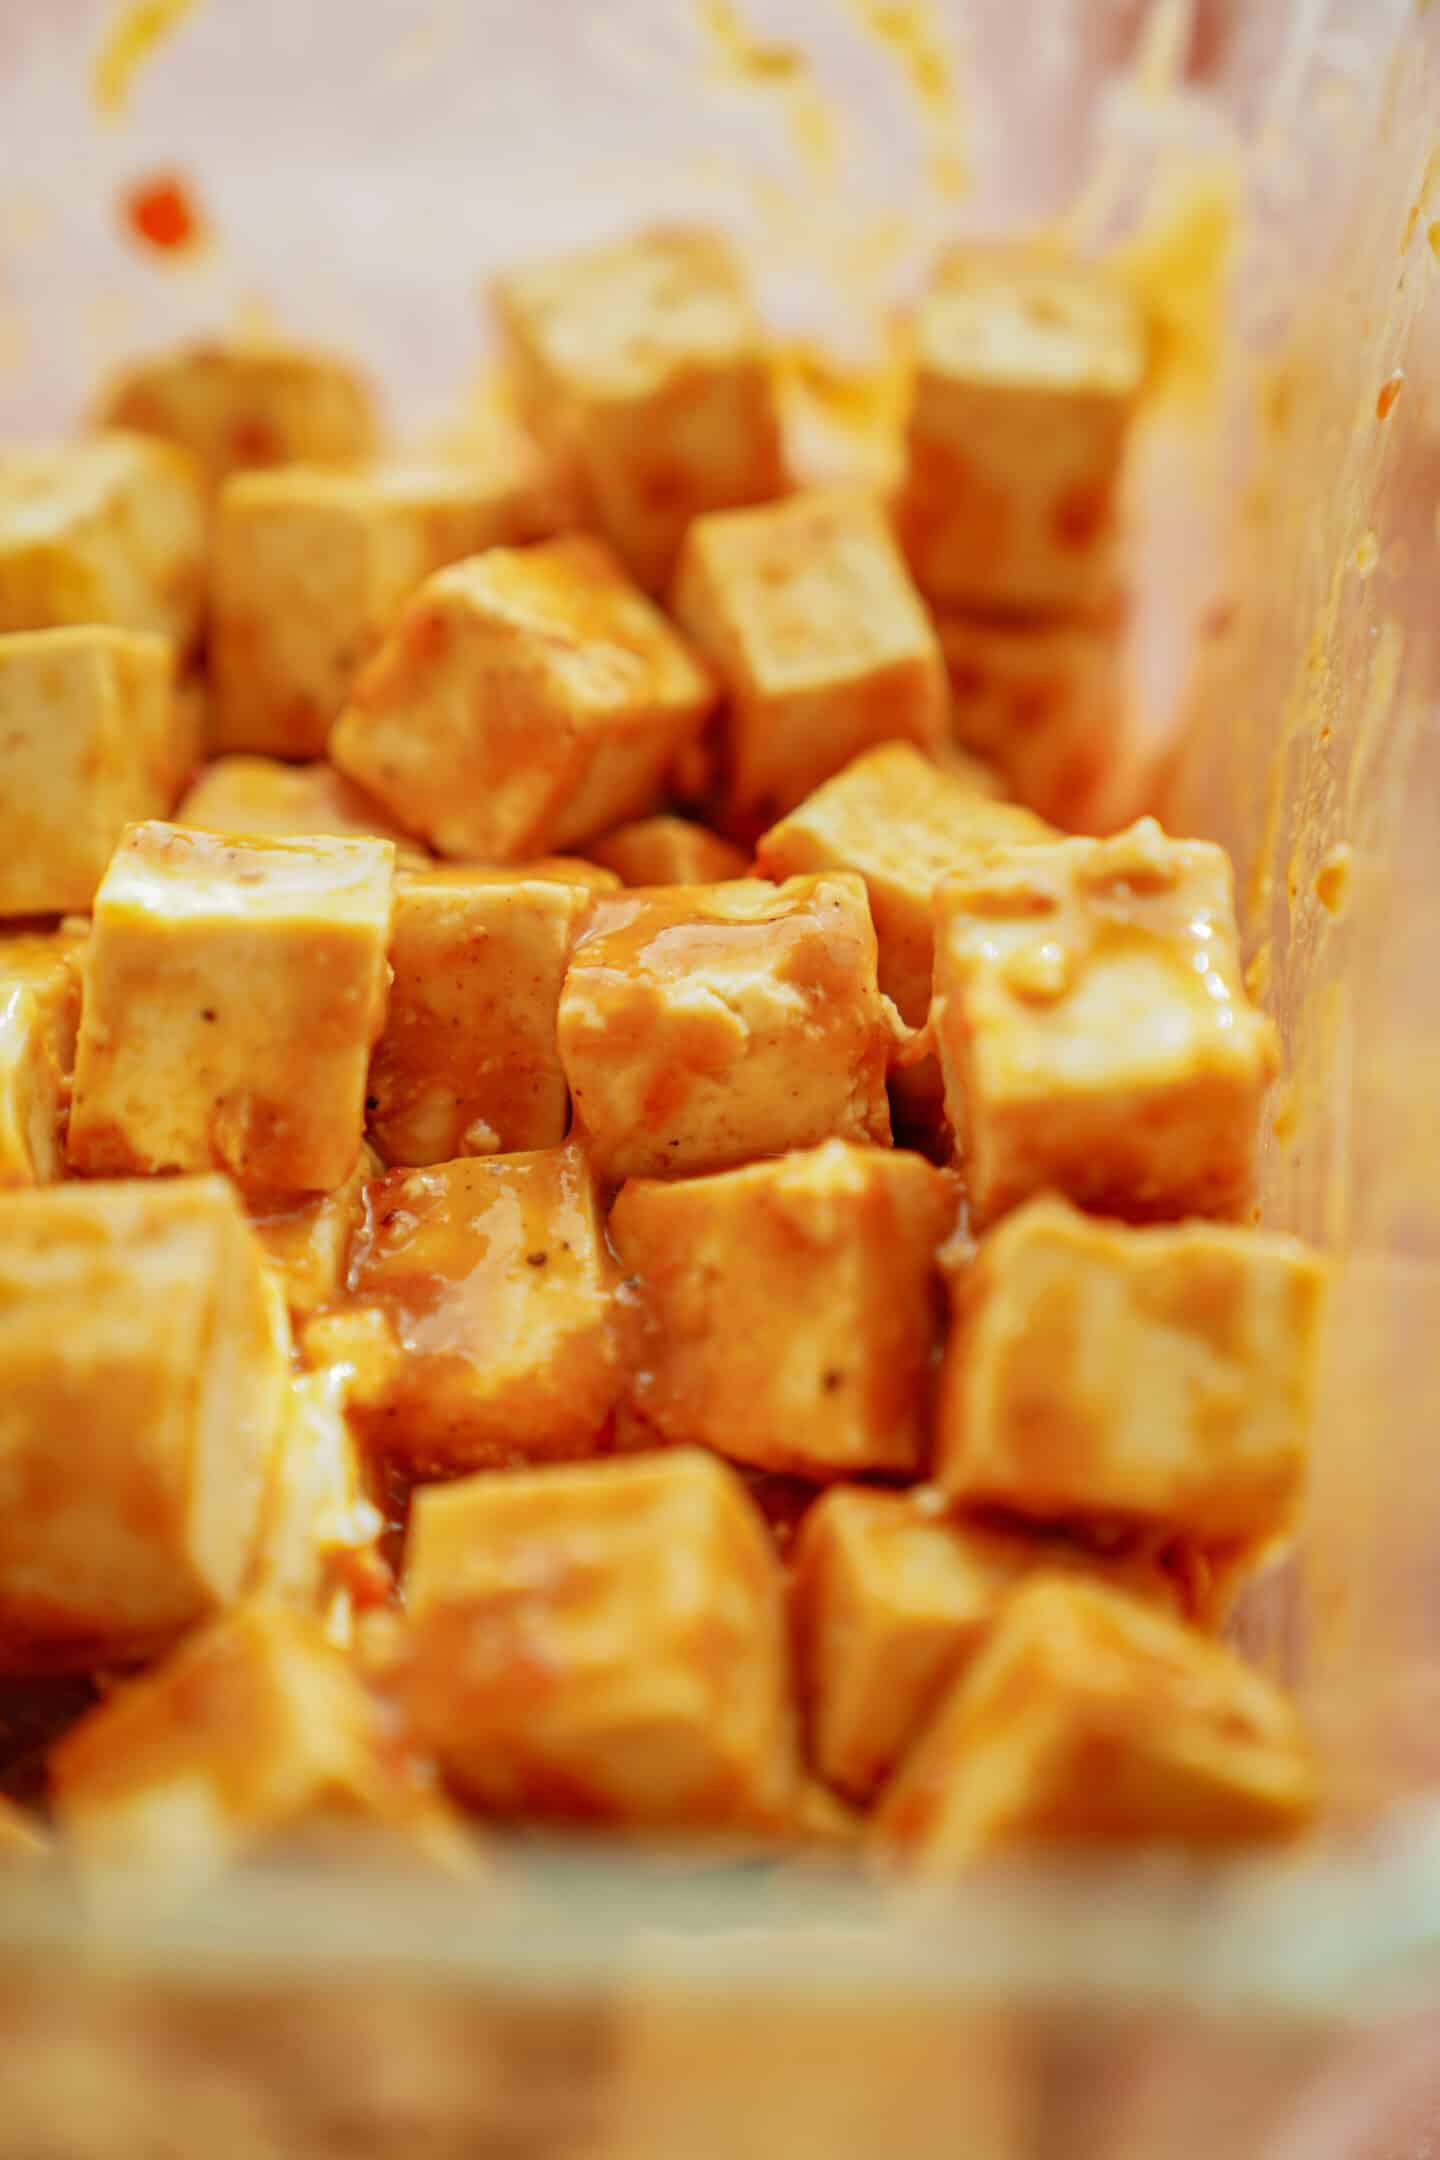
(612,1217)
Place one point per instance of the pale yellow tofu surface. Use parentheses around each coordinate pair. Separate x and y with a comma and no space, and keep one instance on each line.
(668,851)
(110,529)
(240,794)
(90,739)
(1046,703)
(233,991)
(643,360)
(1090,1718)
(39,1014)
(311,566)
(1093,1027)
(1027,376)
(253,1731)
(479,1320)
(524,701)
(891,1600)
(703,1025)
(318,1529)
(144,1377)
(1161,1375)
(806,611)
(305,1237)
(246,403)
(603,1644)
(787,1313)
(468,1063)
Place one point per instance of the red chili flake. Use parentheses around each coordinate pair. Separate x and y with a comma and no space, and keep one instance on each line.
(1388,393)
(161,212)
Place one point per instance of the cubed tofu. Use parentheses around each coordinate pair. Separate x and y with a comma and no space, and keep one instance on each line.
(523,702)
(1160,1376)
(254,1731)
(806,612)
(891,1601)
(318,1529)
(479,1321)
(702,1025)
(233,990)
(603,1643)
(305,1237)
(468,1063)
(90,740)
(144,1384)
(289,802)
(1093,1027)
(787,1313)
(668,851)
(106,530)
(310,568)
(901,822)
(1045,703)
(1091,1718)
(643,361)
(39,1013)
(1028,373)
(245,403)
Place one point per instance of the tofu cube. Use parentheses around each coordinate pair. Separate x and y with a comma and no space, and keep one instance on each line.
(603,1644)
(90,740)
(289,802)
(144,1385)
(891,1601)
(787,1313)
(253,1731)
(1027,377)
(1045,703)
(702,1025)
(468,1063)
(39,1013)
(1090,1718)
(643,360)
(240,404)
(1093,1027)
(668,851)
(233,990)
(318,1530)
(310,568)
(523,702)
(479,1319)
(1157,1376)
(306,1237)
(806,612)
(106,530)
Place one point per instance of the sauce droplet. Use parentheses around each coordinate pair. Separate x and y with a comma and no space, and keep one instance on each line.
(161,212)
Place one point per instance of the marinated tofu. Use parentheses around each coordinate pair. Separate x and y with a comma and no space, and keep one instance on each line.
(524,701)
(704,1025)
(787,1312)
(92,739)
(603,1644)
(233,992)
(822,647)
